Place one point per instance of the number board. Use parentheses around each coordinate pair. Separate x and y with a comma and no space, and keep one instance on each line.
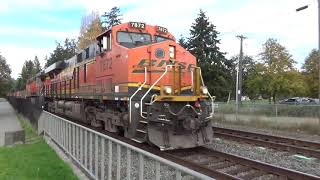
(161,29)
(138,25)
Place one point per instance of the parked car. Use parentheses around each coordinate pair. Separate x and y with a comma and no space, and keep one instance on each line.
(299,100)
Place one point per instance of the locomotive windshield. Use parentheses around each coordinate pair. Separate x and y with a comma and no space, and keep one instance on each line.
(161,38)
(132,39)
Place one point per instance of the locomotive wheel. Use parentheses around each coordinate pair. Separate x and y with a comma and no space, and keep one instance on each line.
(91,117)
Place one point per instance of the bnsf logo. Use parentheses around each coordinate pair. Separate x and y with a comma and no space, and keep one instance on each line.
(161,63)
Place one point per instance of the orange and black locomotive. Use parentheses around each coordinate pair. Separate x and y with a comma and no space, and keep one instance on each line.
(135,80)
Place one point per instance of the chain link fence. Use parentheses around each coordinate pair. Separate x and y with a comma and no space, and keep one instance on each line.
(269,110)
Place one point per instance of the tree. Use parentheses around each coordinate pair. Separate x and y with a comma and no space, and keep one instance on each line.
(5,77)
(249,69)
(37,66)
(62,52)
(278,70)
(5,70)
(28,71)
(311,73)
(203,43)
(182,42)
(91,27)
(112,18)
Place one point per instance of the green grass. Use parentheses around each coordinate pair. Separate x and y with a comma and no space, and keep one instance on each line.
(34,160)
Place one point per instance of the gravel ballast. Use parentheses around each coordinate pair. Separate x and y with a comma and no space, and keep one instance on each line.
(282,159)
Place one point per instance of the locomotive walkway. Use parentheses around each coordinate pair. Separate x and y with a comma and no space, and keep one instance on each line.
(10,129)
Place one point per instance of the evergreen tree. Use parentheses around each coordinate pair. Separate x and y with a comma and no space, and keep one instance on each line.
(62,52)
(182,42)
(37,66)
(20,84)
(27,72)
(203,43)
(112,18)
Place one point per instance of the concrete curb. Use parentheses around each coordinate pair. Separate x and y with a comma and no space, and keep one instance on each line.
(14,137)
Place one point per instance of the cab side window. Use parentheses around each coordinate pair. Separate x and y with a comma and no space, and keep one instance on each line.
(105,43)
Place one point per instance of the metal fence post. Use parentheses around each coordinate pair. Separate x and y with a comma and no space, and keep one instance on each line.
(178,174)
(60,131)
(128,164)
(54,130)
(73,140)
(110,159)
(96,156)
(90,152)
(141,166)
(102,158)
(77,143)
(69,138)
(81,146)
(86,148)
(157,170)
(118,161)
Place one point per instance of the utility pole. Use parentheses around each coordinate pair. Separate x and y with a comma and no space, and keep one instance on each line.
(241,37)
(239,75)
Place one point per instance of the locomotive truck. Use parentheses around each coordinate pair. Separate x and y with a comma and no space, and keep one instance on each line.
(134,80)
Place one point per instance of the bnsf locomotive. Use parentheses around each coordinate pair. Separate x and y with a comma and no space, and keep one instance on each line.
(135,80)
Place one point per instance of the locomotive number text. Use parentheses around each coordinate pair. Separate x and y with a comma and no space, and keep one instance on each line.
(162,29)
(137,25)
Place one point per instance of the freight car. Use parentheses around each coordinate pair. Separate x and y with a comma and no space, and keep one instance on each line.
(135,80)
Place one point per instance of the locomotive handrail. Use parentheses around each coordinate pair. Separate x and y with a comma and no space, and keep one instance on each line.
(211,97)
(141,107)
(140,87)
(191,79)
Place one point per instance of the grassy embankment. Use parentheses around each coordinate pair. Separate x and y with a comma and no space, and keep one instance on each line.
(33,160)
(292,118)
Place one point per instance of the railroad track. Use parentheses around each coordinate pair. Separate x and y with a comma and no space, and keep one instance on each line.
(219,165)
(275,142)
(215,164)
(228,166)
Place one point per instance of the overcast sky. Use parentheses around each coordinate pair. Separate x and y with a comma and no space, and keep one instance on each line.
(31,27)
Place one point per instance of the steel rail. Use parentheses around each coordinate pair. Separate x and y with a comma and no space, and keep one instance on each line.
(276,142)
(237,166)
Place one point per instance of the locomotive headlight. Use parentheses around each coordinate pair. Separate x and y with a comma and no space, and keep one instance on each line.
(167,90)
(204,90)
(172,50)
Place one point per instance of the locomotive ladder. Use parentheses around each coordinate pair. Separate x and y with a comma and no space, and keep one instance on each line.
(141,132)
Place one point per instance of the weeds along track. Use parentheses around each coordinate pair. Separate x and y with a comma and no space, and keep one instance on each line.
(235,167)
(281,143)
